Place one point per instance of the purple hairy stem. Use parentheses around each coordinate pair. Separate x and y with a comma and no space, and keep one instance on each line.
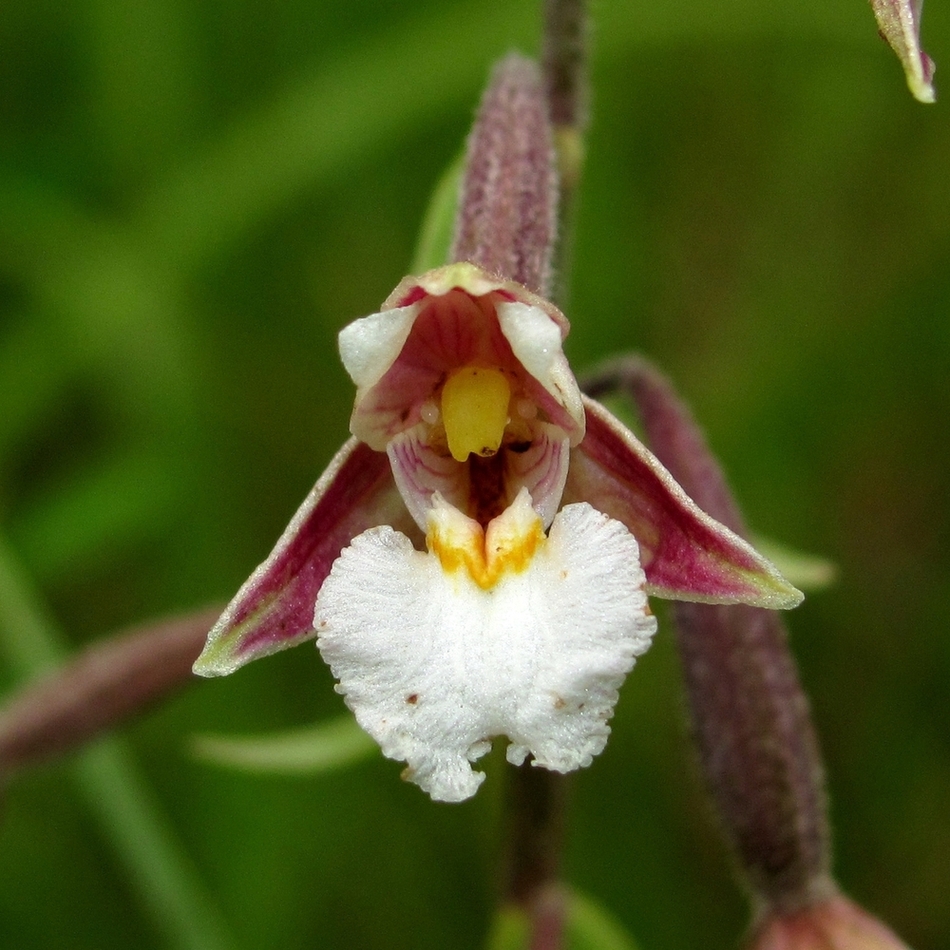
(536,801)
(750,718)
(535,836)
(564,64)
(564,60)
(508,224)
(100,688)
(507,220)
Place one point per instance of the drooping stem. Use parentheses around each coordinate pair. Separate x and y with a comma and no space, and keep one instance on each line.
(100,688)
(536,801)
(536,806)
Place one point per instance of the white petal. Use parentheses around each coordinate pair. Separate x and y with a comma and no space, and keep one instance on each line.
(536,341)
(420,471)
(541,469)
(434,666)
(370,345)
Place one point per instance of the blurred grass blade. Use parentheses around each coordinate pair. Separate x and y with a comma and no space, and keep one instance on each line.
(167,883)
(166,880)
(122,500)
(510,929)
(104,303)
(308,751)
(29,640)
(32,377)
(808,572)
(590,927)
(319,126)
(438,224)
(142,54)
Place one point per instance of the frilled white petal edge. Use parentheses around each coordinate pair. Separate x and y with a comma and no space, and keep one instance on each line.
(434,665)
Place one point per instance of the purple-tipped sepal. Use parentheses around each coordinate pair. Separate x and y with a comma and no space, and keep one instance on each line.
(687,555)
(273,610)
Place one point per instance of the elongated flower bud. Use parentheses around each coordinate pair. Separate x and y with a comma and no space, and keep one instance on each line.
(834,924)
(751,723)
(507,220)
(100,688)
(757,748)
(753,731)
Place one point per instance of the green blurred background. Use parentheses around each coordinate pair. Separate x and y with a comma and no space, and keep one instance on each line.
(195,195)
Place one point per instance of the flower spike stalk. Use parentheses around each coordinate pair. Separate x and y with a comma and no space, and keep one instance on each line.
(476,561)
(564,67)
(755,739)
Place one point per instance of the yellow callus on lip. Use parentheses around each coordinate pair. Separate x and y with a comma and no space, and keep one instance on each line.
(475,410)
(507,546)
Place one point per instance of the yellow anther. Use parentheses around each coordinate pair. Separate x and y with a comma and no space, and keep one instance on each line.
(475,411)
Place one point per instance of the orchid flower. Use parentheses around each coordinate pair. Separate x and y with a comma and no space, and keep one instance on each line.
(452,595)
(476,560)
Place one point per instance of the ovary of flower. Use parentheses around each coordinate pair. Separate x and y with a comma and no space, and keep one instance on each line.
(501,632)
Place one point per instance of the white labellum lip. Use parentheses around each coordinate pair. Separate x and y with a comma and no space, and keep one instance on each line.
(434,665)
